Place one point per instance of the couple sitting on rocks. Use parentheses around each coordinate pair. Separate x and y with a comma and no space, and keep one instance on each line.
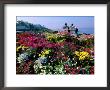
(70,29)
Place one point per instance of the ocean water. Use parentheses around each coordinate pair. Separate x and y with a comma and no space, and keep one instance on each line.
(86,30)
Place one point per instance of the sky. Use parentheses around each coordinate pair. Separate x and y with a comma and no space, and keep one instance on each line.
(57,22)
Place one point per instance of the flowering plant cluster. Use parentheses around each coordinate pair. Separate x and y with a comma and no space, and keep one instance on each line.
(54,53)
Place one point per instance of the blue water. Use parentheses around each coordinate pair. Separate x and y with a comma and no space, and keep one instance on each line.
(86,30)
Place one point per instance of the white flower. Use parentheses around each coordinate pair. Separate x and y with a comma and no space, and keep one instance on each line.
(23,56)
(37,64)
(42,59)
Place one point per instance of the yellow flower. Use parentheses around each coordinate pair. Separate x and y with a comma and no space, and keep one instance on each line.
(24,47)
(82,55)
(51,36)
(77,53)
(42,55)
(21,47)
(18,48)
(45,52)
(39,54)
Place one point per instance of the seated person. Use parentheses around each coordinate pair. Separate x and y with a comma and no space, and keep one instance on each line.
(66,28)
(72,28)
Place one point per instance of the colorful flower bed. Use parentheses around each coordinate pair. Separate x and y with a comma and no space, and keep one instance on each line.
(48,53)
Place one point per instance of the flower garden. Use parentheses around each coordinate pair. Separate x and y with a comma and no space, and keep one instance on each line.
(54,53)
